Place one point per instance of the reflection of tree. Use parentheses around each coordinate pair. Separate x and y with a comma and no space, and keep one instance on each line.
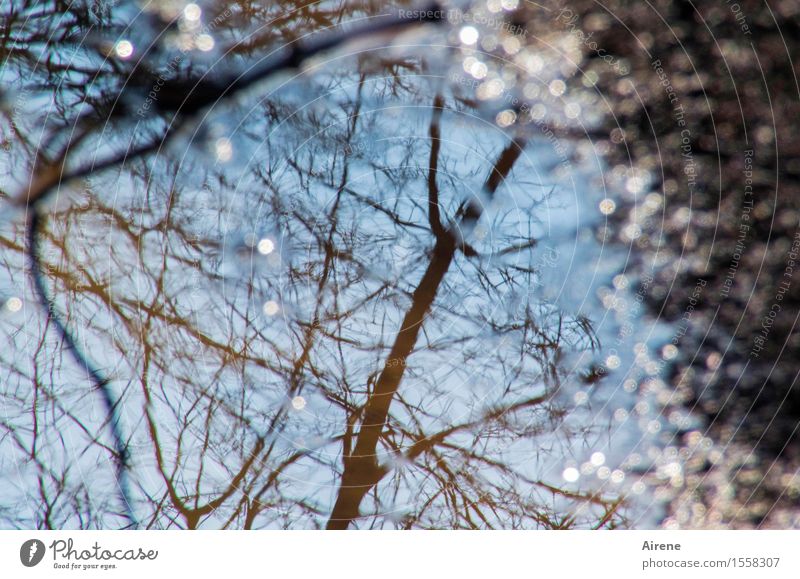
(405,374)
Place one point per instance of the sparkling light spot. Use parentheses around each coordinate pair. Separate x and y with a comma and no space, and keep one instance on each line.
(632,231)
(123,49)
(530,91)
(669,351)
(557,87)
(204,42)
(713,361)
(535,64)
(572,110)
(266,246)
(590,79)
(634,185)
(489,42)
(14,304)
(506,118)
(480,232)
(620,281)
(538,112)
(223,148)
(478,70)
(571,474)
(607,206)
(603,472)
(298,402)
(271,308)
(598,459)
(468,35)
(490,89)
(617,476)
(511,45)
(613,362)
(653,200)
(679,419)
(192,12)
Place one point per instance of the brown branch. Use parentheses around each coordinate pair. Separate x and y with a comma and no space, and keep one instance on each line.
(434,216)
(361,471)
